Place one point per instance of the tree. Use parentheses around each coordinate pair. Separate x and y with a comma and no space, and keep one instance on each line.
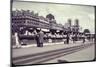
(86,31)
(50,16)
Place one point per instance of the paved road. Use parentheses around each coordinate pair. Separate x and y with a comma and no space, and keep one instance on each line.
(87,54)
(39,58)
(52,46)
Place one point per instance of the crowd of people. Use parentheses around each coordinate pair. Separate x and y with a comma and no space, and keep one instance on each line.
(40,37)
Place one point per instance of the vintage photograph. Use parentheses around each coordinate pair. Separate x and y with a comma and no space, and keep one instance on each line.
(52,33)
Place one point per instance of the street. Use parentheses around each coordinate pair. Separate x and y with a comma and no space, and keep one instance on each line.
(54,53)
(87,54)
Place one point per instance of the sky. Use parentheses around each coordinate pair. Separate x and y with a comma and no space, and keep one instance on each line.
(62,12)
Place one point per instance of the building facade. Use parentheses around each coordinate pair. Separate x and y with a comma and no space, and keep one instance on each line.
(24,22)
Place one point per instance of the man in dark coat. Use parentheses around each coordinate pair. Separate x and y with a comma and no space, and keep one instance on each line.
(41,38)
(36,37)
(67,39)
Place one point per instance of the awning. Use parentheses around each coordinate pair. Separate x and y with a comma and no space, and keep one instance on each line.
(45,30)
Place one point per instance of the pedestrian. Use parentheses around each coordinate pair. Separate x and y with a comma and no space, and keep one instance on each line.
(41,38)
(73,38)
(36,36)
(67,39)
(83,38)
(17,41)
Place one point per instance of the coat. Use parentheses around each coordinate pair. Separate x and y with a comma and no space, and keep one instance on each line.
(41,37)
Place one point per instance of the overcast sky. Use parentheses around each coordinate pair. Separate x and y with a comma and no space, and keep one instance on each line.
(62,12)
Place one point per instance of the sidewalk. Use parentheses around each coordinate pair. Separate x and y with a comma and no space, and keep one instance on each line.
(47,47)
(45,44)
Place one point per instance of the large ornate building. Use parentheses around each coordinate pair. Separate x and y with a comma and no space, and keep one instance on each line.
(24,22)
